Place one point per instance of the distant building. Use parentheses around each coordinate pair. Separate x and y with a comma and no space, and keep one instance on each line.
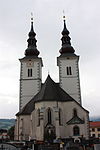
(50,110)
(3,134)
(95,129)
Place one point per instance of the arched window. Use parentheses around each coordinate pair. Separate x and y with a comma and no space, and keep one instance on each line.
(38,117)
(76,131)
(69,70)
(60,119)
(74,112)
(29,72)
(49,116)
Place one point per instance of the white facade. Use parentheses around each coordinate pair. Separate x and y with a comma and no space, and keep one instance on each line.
(30,79)
(63,130)
(69,76)
(34,130)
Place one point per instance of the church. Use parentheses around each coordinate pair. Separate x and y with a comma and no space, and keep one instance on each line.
(49,111)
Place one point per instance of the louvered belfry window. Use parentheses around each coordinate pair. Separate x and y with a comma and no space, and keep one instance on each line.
(69,71)
(29,72)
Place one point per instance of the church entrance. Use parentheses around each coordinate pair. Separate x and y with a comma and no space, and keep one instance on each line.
(49,133)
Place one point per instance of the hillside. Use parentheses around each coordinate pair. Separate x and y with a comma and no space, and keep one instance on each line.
(6,123)
(95,118)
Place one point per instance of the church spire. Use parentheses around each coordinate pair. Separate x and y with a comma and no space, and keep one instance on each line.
(66,44)
(32,48)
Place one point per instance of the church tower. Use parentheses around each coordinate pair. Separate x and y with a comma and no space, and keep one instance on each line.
(68,67)
(30,71)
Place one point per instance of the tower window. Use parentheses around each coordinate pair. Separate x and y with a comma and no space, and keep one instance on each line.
(69,71)
(29,72)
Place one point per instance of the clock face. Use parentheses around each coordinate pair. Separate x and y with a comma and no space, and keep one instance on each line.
(29,63)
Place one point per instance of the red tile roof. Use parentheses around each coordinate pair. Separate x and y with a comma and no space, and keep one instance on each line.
(94,124)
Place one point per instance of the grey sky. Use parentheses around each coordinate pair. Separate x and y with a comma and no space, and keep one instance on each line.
(83,22)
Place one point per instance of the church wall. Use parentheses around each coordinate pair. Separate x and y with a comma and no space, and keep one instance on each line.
(43,106)
(16,135)
(26,94)
(22,131)
(68,114)
(37,130)
(82,131)
(63,130)
(32,126)
(26,126)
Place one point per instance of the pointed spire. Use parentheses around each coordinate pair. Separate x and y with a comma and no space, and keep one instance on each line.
(66,44)
(32,48)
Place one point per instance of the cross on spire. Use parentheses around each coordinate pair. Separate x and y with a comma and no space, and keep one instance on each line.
(64,15)
(31,21)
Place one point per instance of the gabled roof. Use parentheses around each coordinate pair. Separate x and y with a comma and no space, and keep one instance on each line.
(50,91)
(27,109)
(75,120)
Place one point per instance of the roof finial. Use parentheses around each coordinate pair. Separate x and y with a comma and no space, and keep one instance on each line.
(64,19)
(48,72)
(31,17)
(64,15)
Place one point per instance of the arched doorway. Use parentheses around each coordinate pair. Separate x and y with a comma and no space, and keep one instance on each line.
(76,131)
(49,133)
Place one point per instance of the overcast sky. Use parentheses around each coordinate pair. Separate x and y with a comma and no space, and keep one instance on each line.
(83,22)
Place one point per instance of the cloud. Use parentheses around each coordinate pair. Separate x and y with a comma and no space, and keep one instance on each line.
(83,22)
